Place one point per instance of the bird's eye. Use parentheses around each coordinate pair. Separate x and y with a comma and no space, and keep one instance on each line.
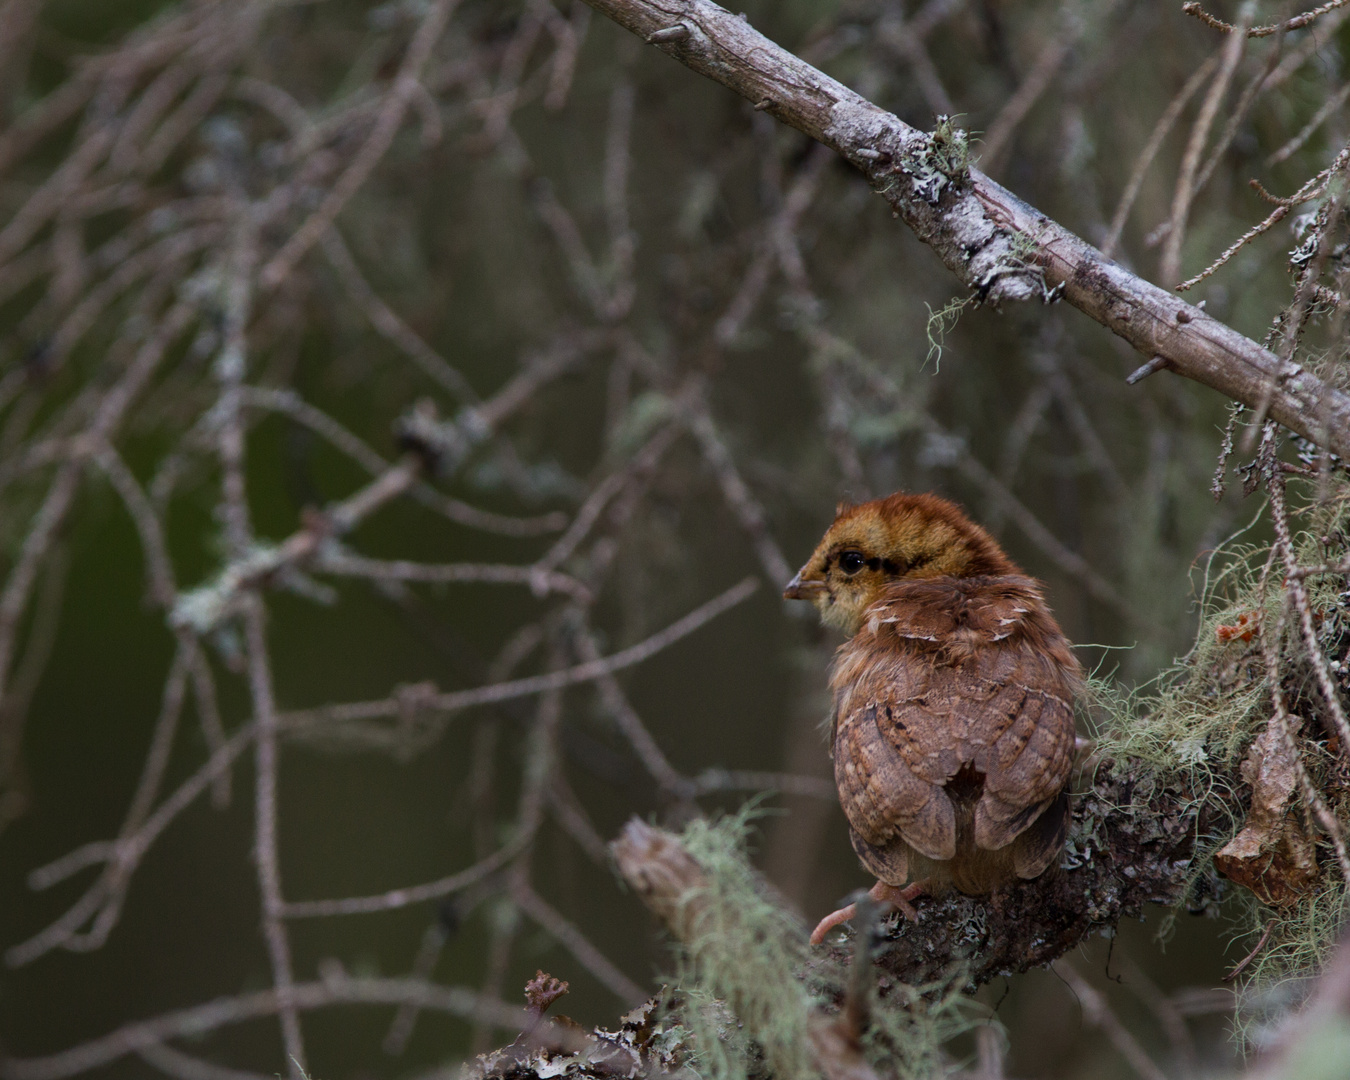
(850,562)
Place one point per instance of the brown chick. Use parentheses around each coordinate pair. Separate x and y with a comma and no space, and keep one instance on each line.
(953,701)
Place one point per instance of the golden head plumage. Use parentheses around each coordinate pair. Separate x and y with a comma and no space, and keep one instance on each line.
(876,544)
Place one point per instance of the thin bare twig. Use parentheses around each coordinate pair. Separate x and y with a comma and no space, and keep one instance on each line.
(1197,10)
(1097,1012)
(388,121)
(570,938)
(456,700)
(228,1011)
(1160,132)
(1169,266)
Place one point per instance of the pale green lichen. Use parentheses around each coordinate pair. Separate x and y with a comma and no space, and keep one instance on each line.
(749,984)
(941,323)
(938,161)
(746,951)
(1195,723)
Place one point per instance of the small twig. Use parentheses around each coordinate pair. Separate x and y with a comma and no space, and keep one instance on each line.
(672,783)
(390,118)
(345,564)
(1139,374)
(121,856)
(1299,595)
(1070,562)
(535,684)
(755,280)
(228,1011)
(181,1066)
(1169,266)
(1150,151)
(906,39)
(1193,8)
(1330,106)
(1269,644)
(423,967)
(739,499)
(1242,241)
(410,894)
(1034,84)
(812,787)
(1170,1018)
(1256,950)
(572,939)
(390,326)
(1097,1012)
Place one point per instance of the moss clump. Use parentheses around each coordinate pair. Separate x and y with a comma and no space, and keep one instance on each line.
(1194,727)
(749,988)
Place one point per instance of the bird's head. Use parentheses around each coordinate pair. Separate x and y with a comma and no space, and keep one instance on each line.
(898,538)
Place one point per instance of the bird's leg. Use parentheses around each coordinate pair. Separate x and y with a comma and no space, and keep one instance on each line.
(835,918)
(888,895)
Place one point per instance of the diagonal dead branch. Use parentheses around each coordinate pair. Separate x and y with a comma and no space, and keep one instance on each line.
(994,242)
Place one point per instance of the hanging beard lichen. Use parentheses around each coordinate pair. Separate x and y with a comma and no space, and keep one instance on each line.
(756,1001)
(744,950)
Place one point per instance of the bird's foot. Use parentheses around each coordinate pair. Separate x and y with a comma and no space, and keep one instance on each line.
(903,899)
(892,896)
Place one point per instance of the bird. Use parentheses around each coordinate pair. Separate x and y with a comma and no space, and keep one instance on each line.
(953,725)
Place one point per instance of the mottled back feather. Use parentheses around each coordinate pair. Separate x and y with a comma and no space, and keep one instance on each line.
(954,731)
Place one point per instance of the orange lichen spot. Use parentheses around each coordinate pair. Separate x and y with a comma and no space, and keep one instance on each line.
(1243,630)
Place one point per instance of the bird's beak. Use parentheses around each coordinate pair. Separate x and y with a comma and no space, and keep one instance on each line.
(797,589)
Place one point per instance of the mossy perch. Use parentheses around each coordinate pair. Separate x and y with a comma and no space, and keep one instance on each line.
(1131,843)
(1199,767)
(795,1037)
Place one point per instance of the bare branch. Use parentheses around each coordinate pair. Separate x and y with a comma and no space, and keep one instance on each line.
(228,1011)
(1296,23)
(1170,265)
(1097,1012)
(455,700)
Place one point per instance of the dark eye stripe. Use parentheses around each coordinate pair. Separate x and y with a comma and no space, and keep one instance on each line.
(889,567)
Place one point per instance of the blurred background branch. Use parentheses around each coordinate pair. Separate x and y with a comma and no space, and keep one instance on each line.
(410,413)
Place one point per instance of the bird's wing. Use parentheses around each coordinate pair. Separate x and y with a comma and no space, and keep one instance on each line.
(886,787)
(1038,846)
(1025,739)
